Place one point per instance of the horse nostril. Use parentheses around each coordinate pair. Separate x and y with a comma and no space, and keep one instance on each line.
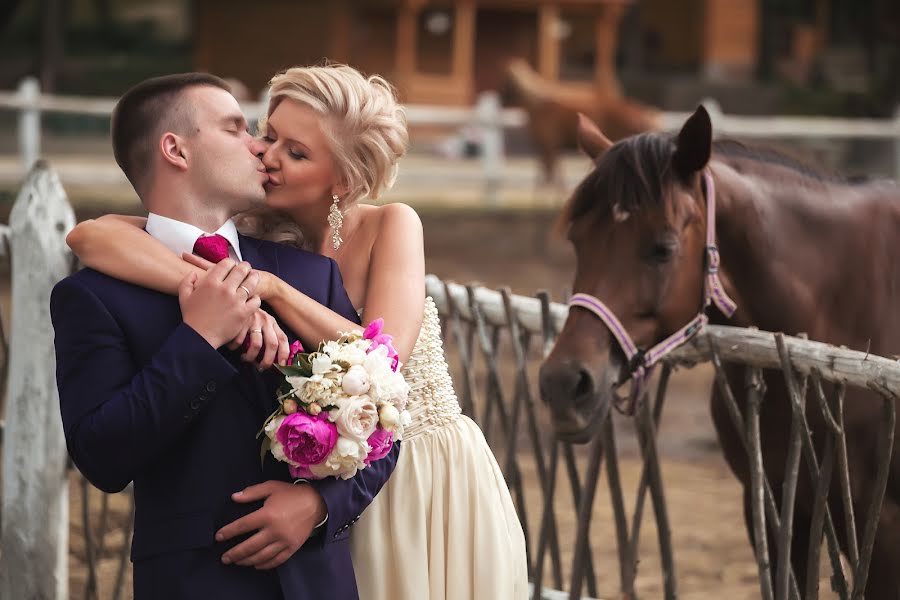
(584,388)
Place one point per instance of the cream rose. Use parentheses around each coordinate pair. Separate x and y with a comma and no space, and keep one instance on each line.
(344,461)
(355,381)
(357,418)
(389,417)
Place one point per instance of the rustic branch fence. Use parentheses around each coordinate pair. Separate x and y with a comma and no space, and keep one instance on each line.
(494,340)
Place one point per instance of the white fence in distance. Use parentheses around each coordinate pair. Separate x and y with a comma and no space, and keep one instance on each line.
(487,118)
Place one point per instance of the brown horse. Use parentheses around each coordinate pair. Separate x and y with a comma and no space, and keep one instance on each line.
(553,109)
(801,251)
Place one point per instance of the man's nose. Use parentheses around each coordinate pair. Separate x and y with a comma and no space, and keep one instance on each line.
(257,147)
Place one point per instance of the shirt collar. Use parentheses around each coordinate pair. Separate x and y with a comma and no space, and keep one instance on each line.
(179,236)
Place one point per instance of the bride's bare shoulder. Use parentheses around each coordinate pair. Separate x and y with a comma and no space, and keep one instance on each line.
(396,217)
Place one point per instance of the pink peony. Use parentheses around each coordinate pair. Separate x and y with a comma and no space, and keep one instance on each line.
(373,333)
(295,348)
(374,328)
(307,440)
(301,472)
(380,442)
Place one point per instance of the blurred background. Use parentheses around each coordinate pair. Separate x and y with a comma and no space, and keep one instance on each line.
(491,87)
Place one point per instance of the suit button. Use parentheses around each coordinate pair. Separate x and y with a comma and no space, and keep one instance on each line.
(211,386)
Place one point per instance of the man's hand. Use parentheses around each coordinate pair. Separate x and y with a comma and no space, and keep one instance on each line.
(268,283)
(218,304)
(282,525)
(266,343)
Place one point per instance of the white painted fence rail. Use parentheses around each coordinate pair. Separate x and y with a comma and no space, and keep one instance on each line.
(487,117)
(35,507)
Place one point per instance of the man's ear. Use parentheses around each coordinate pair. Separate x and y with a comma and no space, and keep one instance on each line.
(173,150)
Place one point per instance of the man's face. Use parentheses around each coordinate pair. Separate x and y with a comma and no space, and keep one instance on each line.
(222,155)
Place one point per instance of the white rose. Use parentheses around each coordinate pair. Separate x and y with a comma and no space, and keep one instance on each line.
(331,348)
(389,417)
(297,382)
(344,461)
(353,354)
(405,418)
(357,418)
(322,364)
(355,381)
(272,426)
(400,393)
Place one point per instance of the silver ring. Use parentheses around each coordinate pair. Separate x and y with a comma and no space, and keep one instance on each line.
(259,331)
(246,290)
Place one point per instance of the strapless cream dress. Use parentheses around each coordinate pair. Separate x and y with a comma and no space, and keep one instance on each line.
(444,526)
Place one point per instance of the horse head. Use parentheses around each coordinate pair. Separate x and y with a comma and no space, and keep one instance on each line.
(638,226)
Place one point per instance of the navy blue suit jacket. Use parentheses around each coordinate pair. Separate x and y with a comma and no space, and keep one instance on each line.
(145,399)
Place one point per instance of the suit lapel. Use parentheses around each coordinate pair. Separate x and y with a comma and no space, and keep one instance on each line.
(263,384)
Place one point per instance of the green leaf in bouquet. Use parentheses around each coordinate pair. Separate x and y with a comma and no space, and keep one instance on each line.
(262,432)
(300,370)
(304,362)
(263,449)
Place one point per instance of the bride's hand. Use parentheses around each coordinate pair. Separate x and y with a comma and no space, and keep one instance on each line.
(265,289)
(262,341)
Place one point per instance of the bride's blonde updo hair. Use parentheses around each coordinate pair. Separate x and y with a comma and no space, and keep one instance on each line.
(364,124)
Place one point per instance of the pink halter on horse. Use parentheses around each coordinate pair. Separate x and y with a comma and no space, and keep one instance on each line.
(641,362)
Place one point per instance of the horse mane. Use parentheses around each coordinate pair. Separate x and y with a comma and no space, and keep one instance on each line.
(631,174)
(772,156)
(635,172)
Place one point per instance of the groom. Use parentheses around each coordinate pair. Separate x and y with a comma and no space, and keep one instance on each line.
(150,393)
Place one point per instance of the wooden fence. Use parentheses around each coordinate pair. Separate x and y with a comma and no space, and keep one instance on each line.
(494,341)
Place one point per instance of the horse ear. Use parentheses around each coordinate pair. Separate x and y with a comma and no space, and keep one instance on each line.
(694,144)
(590,139)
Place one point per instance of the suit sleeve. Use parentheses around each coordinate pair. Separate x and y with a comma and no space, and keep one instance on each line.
(118,415)
(345,500)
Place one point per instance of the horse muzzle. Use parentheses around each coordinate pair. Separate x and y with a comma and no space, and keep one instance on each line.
(578,396)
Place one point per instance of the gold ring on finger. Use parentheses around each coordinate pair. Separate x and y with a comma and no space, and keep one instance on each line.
(259,331)
(243,287)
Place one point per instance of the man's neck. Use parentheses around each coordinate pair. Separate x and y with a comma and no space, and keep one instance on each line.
(177,199)
(204,218)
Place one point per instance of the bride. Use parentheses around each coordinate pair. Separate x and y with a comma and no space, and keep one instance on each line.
(444,526)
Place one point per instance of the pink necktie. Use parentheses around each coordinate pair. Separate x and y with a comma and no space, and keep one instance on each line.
(213,248)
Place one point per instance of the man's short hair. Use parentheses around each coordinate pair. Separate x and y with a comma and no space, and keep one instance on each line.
(141,114)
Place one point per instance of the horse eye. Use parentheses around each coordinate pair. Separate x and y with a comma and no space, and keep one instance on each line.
(662,253)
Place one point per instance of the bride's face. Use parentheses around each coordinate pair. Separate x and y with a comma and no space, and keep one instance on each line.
(301,167)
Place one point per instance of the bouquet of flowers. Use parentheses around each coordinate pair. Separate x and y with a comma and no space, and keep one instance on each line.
(340,408)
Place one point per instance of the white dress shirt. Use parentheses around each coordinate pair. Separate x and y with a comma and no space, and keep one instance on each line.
(180,237)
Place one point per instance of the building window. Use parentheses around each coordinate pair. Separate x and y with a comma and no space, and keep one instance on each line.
(434,41)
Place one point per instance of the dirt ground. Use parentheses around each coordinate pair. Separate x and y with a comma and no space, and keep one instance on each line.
(712,555)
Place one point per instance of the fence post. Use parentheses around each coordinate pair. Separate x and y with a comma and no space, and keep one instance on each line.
(715,115)
(897,143)
(488,119)
(29,122)
(35,506)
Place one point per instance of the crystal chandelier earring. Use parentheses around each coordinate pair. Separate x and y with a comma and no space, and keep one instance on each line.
(335,220)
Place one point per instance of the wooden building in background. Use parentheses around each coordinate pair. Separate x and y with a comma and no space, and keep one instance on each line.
(440,52)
